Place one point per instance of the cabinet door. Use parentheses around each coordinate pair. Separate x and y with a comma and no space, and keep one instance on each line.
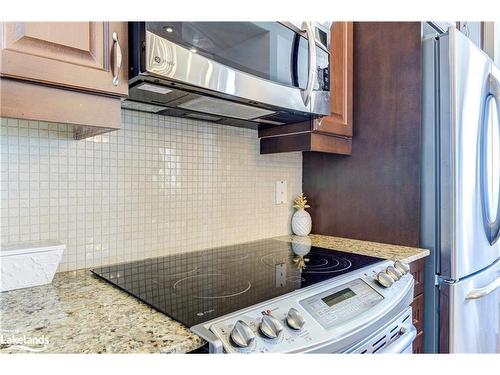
(80,55)
(341,47)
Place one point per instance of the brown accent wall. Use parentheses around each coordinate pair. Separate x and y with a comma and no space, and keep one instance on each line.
(374,194)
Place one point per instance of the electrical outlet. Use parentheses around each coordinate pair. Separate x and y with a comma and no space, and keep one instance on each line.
(280,192)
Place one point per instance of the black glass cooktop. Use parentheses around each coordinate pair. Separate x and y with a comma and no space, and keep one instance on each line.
(198,286)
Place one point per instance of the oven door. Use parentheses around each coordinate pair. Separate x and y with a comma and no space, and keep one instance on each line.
(271,63)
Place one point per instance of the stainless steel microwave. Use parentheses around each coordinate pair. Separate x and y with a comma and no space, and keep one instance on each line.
(235,73)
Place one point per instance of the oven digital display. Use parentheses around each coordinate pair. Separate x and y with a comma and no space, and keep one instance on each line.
(338,297)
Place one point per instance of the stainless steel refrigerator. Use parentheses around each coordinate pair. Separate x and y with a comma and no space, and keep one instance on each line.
(460,200)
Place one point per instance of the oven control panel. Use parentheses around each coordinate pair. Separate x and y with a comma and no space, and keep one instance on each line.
(319,318)
(337,305)
(256,340)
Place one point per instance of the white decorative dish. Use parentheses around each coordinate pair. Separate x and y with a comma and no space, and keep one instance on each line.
(29,264)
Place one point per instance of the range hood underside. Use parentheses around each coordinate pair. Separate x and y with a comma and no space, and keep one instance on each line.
(167,98)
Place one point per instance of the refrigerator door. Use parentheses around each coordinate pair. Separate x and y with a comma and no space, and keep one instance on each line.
(465,149)
(470,313)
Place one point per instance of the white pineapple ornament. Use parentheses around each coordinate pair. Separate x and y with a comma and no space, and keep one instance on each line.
(301,220)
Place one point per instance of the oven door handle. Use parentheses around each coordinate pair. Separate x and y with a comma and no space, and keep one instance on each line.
(311,39)
(408,334)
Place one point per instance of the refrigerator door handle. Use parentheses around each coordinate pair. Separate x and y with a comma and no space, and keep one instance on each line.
(492,227)
(495,91)
(484,291)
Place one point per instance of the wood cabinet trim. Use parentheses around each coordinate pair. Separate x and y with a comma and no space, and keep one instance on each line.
(31,101)
(341,82)
(277,130)
(306,141)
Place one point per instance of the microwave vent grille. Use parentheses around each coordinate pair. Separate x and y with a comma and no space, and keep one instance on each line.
(224,108)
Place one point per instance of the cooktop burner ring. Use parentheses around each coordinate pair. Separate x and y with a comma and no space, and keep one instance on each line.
(161,276)
(324,263)
(329,269)
(243,288)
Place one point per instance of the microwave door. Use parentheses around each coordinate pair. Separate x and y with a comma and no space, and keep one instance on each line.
(265,76)
(260,49)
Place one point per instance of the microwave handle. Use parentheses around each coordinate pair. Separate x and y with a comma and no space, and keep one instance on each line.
(311,39)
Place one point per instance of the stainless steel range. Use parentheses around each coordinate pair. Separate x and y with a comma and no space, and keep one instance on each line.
(273,296)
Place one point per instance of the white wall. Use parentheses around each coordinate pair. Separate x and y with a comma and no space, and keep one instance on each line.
(157,186)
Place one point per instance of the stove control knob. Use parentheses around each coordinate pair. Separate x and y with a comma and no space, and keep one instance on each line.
(242,335)
(270,326)
(295,319)
(404,268)
(394,273)
(385,280)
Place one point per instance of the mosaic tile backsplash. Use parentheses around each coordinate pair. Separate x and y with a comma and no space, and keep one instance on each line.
(158,186)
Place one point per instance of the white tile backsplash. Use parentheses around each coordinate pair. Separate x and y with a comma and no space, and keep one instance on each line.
(159,185)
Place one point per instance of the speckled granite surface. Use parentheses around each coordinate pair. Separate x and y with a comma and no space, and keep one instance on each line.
(78,313)
(395,252)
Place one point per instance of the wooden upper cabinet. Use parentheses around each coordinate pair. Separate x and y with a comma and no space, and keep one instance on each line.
(340,120)
(68,72)
(79,55)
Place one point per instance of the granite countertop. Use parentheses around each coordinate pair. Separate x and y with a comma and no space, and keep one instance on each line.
(79,313)
(394,252)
